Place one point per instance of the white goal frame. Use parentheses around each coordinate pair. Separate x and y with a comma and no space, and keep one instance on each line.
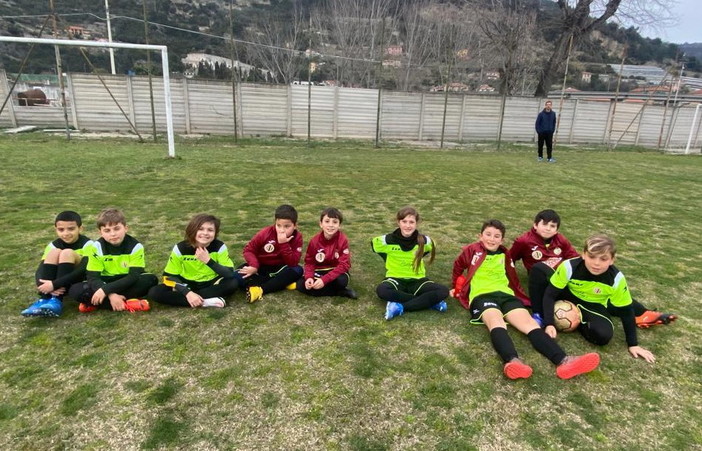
(119,45)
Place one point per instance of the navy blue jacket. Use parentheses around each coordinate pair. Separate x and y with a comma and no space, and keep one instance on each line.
(546,122)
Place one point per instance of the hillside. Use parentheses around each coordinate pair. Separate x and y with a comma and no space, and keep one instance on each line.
(187,26)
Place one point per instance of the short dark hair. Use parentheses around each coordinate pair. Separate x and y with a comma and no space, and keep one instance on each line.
(69,216)
(547,216)
(196,222)
(493,223)
(331,212)
(110,216)
(286,211)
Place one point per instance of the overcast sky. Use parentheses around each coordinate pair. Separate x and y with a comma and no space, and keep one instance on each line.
(689,27)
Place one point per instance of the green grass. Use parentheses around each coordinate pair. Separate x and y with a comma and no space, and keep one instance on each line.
(293,372)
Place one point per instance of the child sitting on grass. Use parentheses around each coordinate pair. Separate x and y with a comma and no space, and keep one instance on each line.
(272,257)
(543,248)
(62,265)
(599,289)
(115,269)
(199,272)
(328,259)
(491,292)
(406,287)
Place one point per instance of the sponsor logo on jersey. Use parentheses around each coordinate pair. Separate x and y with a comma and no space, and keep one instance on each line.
(475,259)
(537,255)
(597,290)
(346,251)
(557,251)
(269,247)
(336,255)
(320,256)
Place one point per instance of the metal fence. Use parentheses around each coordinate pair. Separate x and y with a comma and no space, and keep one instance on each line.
(205,107)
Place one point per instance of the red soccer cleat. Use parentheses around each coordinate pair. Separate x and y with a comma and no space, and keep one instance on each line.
(516,369)
(652,318)
(576,365)
(137,305)
(86,308)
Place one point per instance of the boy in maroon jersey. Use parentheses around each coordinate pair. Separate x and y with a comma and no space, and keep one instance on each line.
(543,248)
(328,259)
(272,256)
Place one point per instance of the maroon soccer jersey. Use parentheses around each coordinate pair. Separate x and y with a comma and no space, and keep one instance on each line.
(264,249)
(531,249)
(323,254)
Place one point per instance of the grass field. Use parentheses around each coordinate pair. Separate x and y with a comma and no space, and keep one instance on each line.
(293,372)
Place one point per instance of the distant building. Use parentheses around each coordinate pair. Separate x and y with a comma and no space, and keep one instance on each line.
(486,88)
(586,77)
(651,74)
(192,62)
(452,87)
(392,63)
(77,32)
(492,75)
(394,50)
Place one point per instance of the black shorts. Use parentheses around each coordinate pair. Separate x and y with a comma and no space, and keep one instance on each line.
(504,302)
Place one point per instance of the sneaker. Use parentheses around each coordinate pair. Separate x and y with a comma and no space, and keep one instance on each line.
(33,309)
(551,160)
(516,369)
(86,308)
(575,365)
(47,307)
(292,286)
(538,318)
(137,305)
(214,302)
(393,309)
(254,294)
(652,318)
(349,293)
(440,306)
(539,159)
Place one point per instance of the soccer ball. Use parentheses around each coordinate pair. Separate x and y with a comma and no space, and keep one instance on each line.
(566,316)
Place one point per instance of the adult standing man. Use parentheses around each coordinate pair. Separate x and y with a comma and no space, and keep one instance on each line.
(545,128)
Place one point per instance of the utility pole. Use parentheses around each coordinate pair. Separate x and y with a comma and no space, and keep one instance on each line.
(109,37)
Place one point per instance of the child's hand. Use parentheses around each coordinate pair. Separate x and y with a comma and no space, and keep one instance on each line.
(194,299)
(283,238)
(98,297)
(638,351)
(202,254)
(318,284)
(452,292)
(248,271)
(59,292)
(309,283)
(551,331)
(46,287)
(117,302)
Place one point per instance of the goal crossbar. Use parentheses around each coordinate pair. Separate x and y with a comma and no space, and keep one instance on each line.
(119,45)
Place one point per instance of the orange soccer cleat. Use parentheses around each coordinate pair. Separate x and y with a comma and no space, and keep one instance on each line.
(137,305)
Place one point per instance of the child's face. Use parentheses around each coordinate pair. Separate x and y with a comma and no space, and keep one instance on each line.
(329,226)
(114,233)
(68,231)
(205,234)
(490,238)
(285,225)
(598,264)
(407,225)
(546,230)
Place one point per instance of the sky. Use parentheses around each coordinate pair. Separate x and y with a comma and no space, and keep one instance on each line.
(689,27)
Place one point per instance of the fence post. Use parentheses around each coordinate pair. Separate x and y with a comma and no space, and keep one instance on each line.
(638,127)
(607,124)
(10,105)
(130,98)
(335,121)
(289,115)
(461,118)
(421,119)
(72,95)
(572,122)
(186,106)
(240,109)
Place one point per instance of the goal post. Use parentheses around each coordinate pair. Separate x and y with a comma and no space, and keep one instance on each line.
(119,45)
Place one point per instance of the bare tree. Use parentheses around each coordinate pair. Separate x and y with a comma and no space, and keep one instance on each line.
(509,38)
(280,43)
(356,27)
(416,28)
(577,21)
